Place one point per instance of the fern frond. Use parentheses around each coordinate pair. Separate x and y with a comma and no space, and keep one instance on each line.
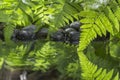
(97,54)
(6,9)
(109,13)
(116,77)
(15,56)
(8,31)
(13,13)
(3,17)
(99,22)
(87,35)
(89,30)
(92,72)
(67,12)
(44,15)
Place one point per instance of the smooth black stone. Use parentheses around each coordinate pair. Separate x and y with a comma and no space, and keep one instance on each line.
(67,30)
(57,36)
(30,28)
(42,33)
(76,25)
(75,42)
(74,36)
(25,34)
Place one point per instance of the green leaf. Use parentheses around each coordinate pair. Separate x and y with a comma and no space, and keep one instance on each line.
(89,14)
(108,75)
(87,35)
(106,22)
(115,49)
(87,20)
(112,18)
(103,74)
(116,77)
(100,25)
(98,31)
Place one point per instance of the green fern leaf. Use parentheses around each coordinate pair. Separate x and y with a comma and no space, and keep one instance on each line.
(98,72)
(67,12)
(117,11)
(116,77)
(92,72)
(100,25)
(108,75)
(97,29)
(3,16)
(86,37)
(102,75)
(94,25)
(88,67)
(8,32)
(87,20)
(112,18)
(107,24)
(88,14)
(115,49)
